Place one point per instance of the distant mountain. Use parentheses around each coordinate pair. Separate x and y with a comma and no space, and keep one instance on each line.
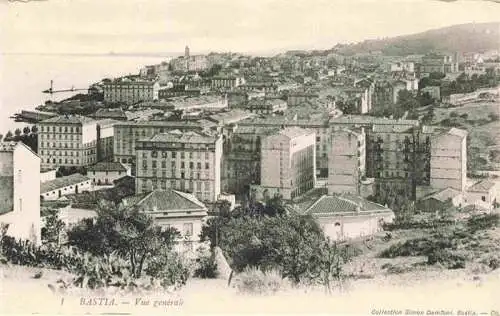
(471,37)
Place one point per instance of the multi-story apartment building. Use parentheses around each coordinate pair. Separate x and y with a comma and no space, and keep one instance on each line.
(206,102)
(266,106)
(130,91)
(227,82)
(175,160)
(20,191)
(346,162)
(288,165)
(299,97)
(105,139)
(67,141)
(241,159)
(127,134)
(448,168)
(438,63)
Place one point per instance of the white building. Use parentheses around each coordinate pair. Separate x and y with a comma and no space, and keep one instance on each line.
(104,173)
(186,161)
(449,160)
(485,194)
(174,209)
(288,162)
(67,141)
(346,217)
(47,175)
(72,184)
(346,161)
(130,91)
(20,191)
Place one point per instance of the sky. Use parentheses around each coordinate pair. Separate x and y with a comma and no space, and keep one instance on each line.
(165,26)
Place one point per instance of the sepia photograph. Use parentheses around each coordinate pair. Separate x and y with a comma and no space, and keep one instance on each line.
(189,157)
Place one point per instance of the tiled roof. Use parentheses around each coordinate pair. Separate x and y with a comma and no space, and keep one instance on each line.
(392,129)
(179,124)
(68,119)
(482,186)
(179,137)
(166,200)
(107,166)
(443,195)
(62,182)
(231,116)
(458,132)
(293,132)
(111,113)
(10,146)
(344,205)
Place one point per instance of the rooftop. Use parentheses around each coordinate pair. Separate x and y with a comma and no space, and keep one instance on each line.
(167,200)
(443,195)
(179,124)
(344,205)
(293,132)
(482,186)
(232,116)
(62,182)
(107,166)
(177,136)
(68,119)
(458,132)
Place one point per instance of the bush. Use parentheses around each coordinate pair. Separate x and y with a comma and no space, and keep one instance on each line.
(206,267)
(483,222)
(255,281)
(494,116)
(447,259)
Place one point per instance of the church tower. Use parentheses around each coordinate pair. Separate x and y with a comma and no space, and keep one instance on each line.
(186,52)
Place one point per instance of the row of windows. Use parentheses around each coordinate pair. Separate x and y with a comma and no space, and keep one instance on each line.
(60,129)
(61,153)
(174,174)
(60,136)
(154,165)
(201,186)
(67,161)
(173,154)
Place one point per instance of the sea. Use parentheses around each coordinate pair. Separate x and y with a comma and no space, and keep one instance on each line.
(23,77)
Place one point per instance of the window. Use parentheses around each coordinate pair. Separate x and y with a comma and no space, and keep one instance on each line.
(182,175)
(191,165)
(164,164)
(154,154)
(182,164)
(174,154)
(154,164)
(207,165)
(483,198)
(188,229)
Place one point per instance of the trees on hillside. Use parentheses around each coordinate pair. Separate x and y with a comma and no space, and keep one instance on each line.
(292,243)
(128,231)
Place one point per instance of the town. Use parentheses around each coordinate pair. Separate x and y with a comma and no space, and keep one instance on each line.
(234,156)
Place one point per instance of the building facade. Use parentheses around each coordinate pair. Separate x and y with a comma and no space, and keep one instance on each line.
(449,160)
(288,164)
(130,91)
(59,187)
(189,162)
(20,191)
(127,134)
(67,141)
(104,173)
(346,161)
(174,209)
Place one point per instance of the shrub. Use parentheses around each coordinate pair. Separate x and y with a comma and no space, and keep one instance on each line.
(447,258)
(483,222)
(206,267)
(170,268)
(255,281)
(493,116)
(454,114)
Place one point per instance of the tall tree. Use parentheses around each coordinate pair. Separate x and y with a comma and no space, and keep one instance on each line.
(129,231)
(26,130)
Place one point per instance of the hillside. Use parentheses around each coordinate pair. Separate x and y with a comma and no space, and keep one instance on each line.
(462,38)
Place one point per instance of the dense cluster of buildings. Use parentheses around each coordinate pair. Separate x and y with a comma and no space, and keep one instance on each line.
(256,127)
